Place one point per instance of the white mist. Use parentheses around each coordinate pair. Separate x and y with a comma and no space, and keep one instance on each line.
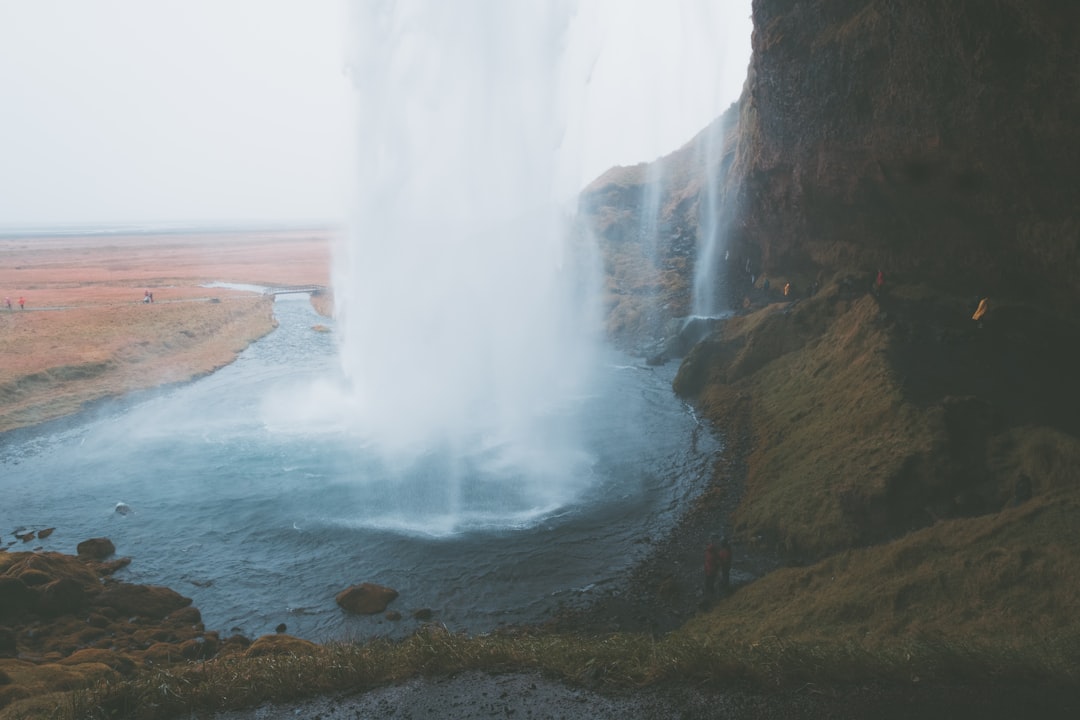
(466,309)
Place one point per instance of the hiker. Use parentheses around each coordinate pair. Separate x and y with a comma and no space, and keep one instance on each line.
(146,296)
(712,566)
(725,564)
(22,303)
(7,301)
(717,565)
(980,312)
(879,283)
(787,289)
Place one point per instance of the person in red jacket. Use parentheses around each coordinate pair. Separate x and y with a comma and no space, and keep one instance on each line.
(717,565)
(712,566)
(725,564)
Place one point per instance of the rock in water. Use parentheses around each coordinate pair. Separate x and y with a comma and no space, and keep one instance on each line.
(365,598)
(95,548)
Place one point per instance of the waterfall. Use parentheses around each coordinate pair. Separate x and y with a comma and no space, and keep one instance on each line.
(466,313)
(708,271)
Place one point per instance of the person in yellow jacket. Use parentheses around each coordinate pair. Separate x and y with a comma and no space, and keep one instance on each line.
(980,312)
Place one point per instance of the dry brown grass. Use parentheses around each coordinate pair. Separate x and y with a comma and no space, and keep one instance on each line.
(86,334)
(844,461)
(964,600)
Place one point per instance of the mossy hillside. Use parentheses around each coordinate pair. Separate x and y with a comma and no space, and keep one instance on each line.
(963,600)
(833,435)
(905,491)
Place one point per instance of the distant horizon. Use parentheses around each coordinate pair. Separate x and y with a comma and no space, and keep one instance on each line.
(251,108)
(163,227)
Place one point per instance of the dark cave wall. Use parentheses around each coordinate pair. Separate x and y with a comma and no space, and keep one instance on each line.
(934,139)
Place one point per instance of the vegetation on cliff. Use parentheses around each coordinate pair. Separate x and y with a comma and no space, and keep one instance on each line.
(888,443)
(914,469)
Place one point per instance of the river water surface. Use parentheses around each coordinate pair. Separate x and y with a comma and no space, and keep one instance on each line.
(243,502)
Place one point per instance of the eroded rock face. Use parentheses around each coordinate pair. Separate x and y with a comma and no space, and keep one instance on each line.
(935,140)
(15,597)
(647,220)
(66,621)
(149,601)
(932,140)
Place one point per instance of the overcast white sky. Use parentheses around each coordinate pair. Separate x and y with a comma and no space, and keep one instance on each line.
(240,110)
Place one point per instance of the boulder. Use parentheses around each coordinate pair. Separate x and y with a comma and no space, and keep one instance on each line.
(365,598)
(201,648)
(33,577)
(234,645)
(110,567)
(62,596)
(281,644)
(96,548)
(15,597)
(189,615)
(163,653)
(150,601)
(7,643)
(112,659)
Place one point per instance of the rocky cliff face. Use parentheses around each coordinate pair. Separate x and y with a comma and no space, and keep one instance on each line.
(935,141)
(650,220)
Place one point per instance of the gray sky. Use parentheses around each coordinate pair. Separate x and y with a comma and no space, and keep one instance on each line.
(241,110)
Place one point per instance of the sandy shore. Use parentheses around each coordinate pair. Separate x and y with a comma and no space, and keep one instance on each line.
(84,332)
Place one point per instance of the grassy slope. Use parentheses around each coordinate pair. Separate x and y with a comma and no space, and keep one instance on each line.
(858,459)
(56,361)
(855,463)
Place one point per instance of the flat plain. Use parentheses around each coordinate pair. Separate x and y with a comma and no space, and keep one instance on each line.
(85,332)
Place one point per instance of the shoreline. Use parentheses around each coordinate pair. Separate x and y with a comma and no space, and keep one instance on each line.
(86,335)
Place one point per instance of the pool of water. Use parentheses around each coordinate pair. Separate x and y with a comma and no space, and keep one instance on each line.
(247,499)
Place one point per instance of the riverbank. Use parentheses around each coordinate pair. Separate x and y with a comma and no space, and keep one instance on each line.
(958,611)
(85,330)
(963,614)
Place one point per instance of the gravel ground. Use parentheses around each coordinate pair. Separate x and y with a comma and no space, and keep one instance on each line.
(480,696)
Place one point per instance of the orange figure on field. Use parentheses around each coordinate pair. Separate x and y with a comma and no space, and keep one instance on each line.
(22,303)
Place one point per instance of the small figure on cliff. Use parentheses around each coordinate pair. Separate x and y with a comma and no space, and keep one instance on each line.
(879,283)
(712,566)
(980,312)
(717,565)
(787,289)
(725,564)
